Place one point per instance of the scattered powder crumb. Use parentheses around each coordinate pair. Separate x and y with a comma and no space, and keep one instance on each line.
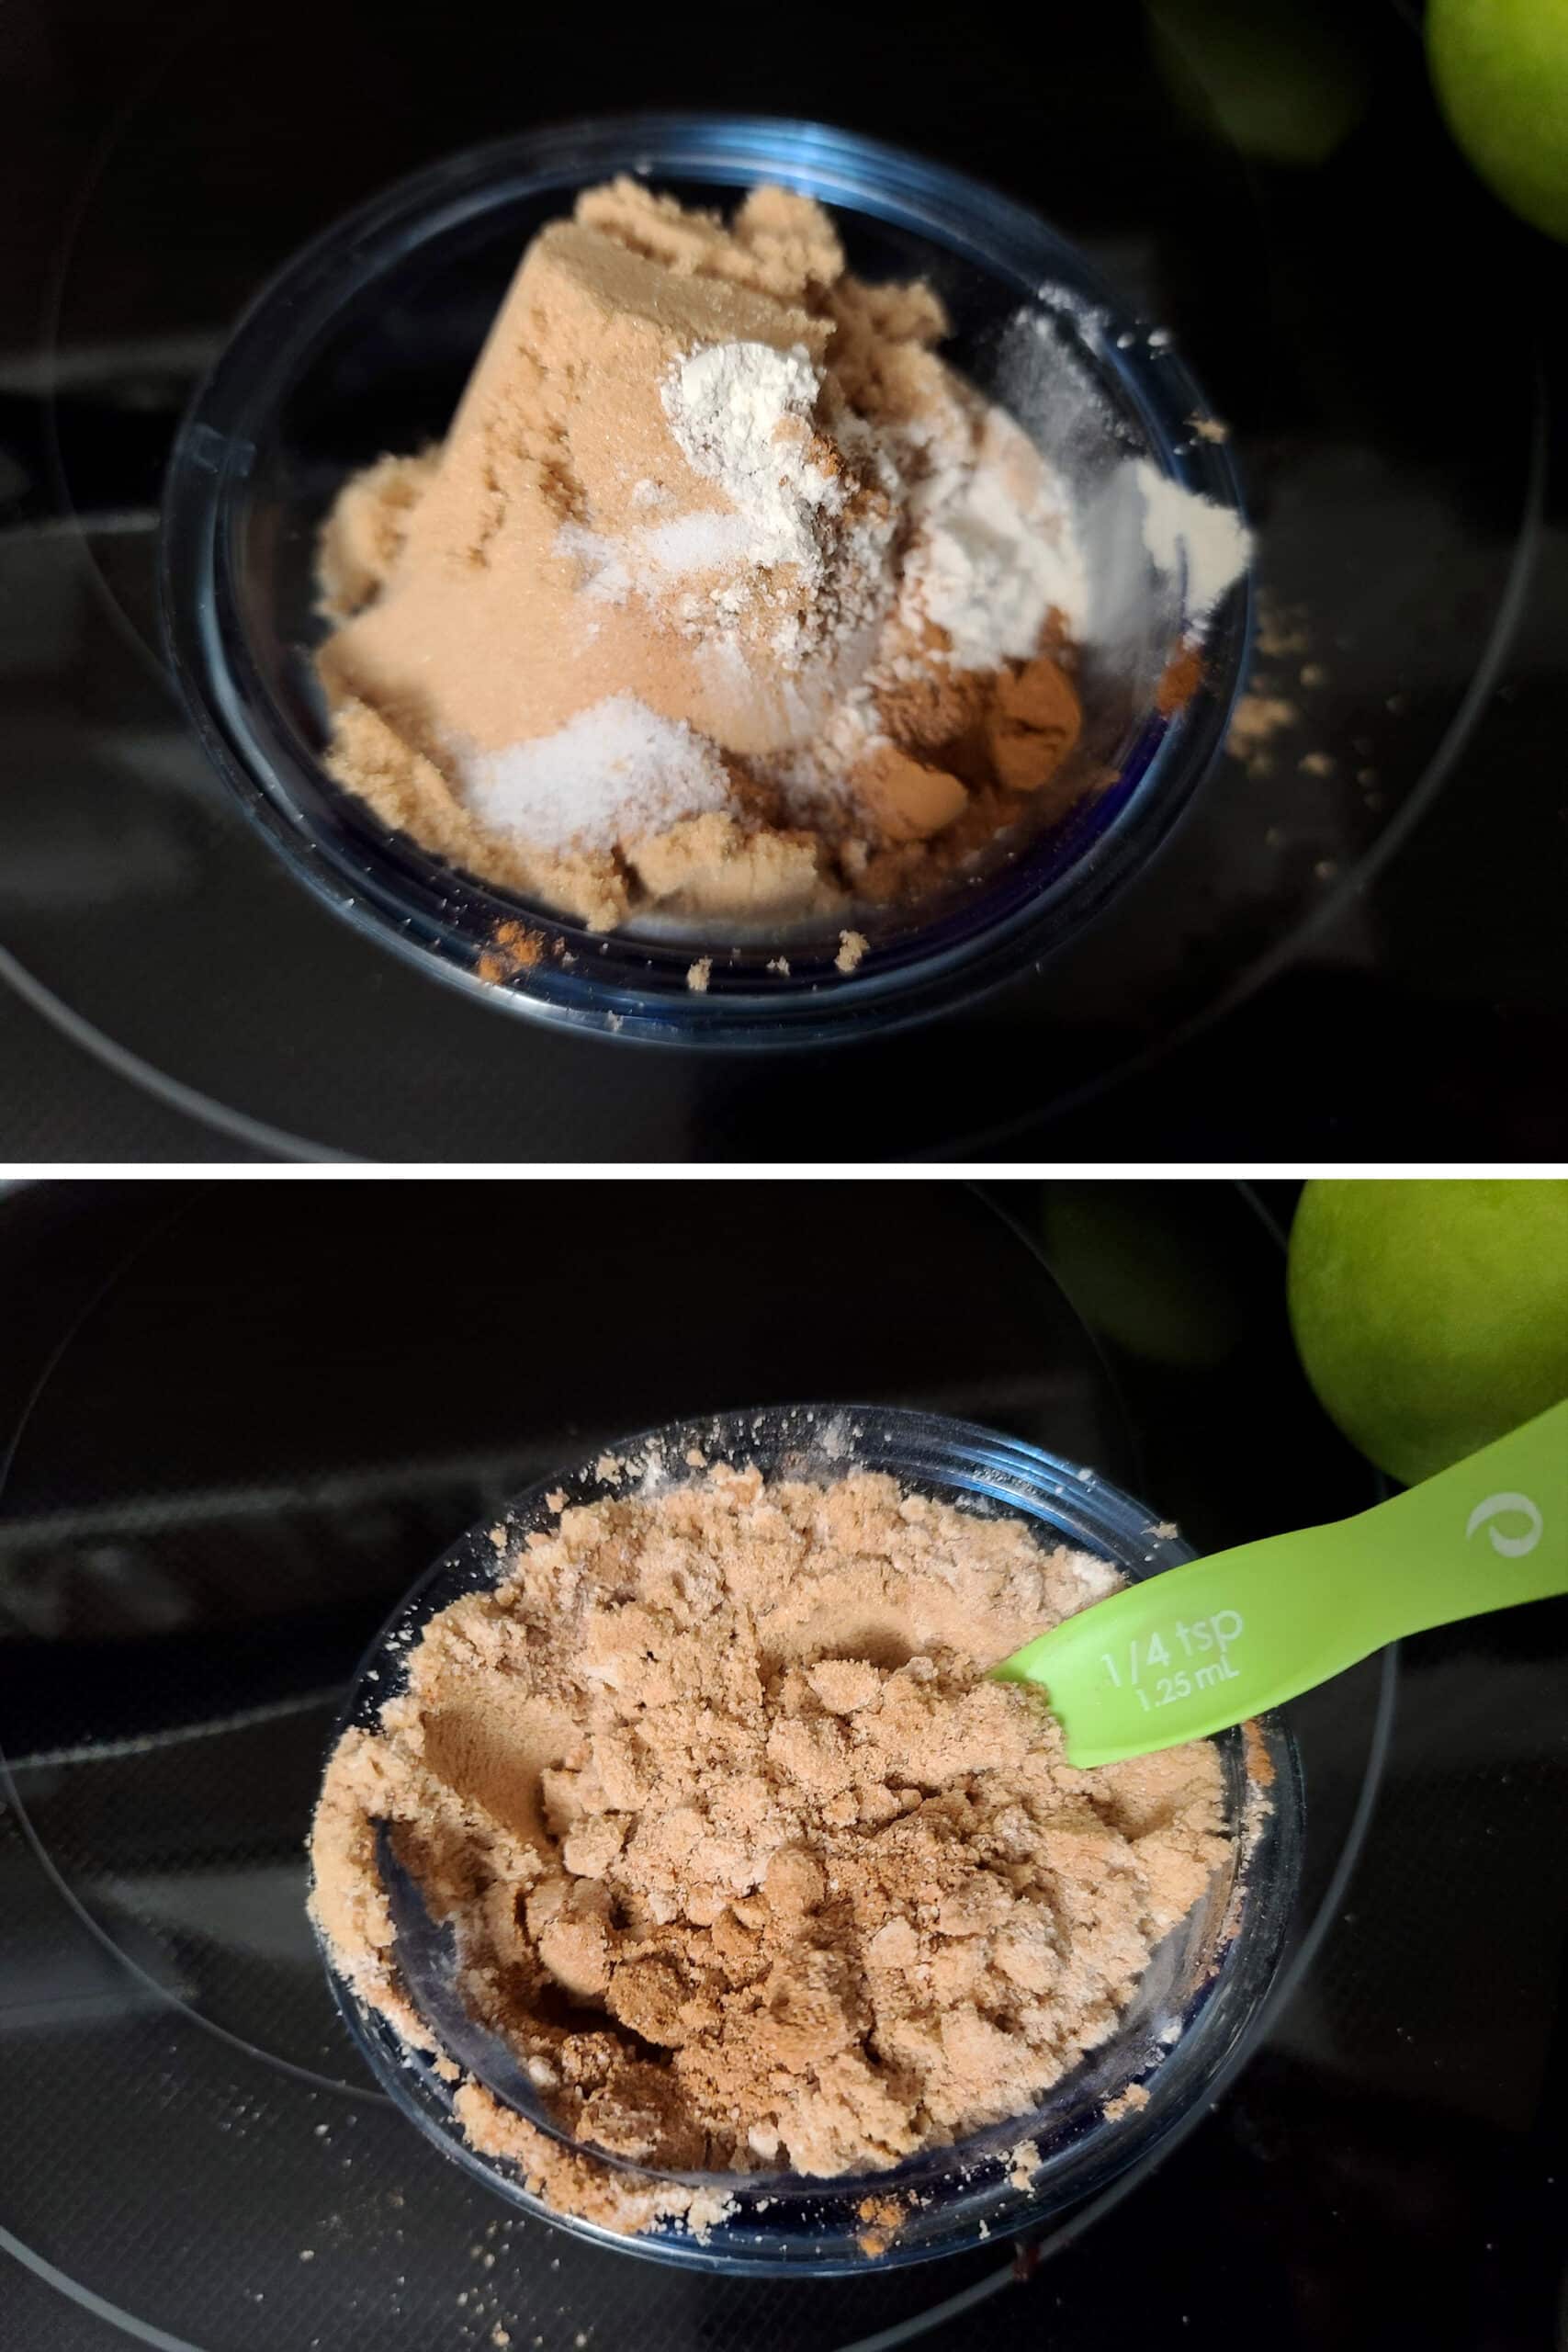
(780,964)
(1125,2102)
(501,2337)
(1326,869)
(307,2253)
(747,1856)
(1023,2164)
(1318,763)
(1208,428)
(512,949)
(1313,673)
(1281,631)
(1257,719)
(882,2218)
(852,947)
(698,974)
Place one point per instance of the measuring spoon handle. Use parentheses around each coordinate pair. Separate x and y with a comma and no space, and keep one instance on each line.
(1209,1644)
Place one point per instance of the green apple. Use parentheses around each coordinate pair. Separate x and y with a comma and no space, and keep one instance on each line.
(1431,1313)
(1278,78)
(1500,70)
(1142,1266)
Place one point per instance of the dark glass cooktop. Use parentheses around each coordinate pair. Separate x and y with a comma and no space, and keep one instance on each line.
(1366,904)
(245,1417)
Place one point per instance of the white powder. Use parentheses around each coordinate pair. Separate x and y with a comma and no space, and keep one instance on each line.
(654,554)
(746,418)
(756,422)
(1184,532)
(742,414)
(995,553)
(614,773)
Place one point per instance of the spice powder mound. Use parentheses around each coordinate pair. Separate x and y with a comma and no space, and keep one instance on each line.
(748,1860)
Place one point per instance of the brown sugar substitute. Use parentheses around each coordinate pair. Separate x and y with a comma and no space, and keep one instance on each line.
(749,1862)
(724,597)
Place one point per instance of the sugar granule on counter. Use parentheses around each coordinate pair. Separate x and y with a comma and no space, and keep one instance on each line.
(1256,720)
(750,1862)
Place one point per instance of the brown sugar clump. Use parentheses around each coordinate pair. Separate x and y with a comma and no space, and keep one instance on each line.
(364,535)
(906,800)
(1033,724)
(712,865)
(750,1863)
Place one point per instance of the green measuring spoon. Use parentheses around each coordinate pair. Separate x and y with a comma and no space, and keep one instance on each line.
(1207,1645)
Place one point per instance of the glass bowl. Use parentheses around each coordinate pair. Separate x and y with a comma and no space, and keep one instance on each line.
(1193,2010)
(363,345)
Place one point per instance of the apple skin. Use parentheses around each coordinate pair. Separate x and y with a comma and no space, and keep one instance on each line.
(1500,71)
(1430,1314)
(1141,1273)
(1282,81)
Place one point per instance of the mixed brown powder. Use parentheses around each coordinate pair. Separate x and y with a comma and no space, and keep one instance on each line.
(750,1864)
